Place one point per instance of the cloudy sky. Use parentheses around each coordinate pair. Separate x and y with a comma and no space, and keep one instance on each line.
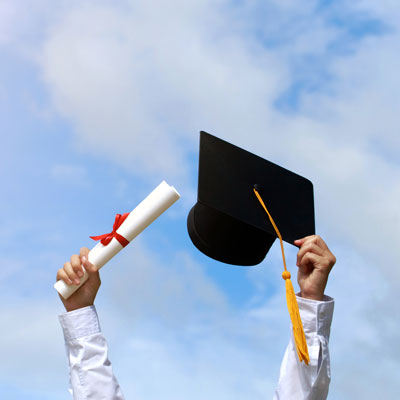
(101,100)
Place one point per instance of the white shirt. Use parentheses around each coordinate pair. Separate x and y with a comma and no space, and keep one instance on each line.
(309,382)
(92,378)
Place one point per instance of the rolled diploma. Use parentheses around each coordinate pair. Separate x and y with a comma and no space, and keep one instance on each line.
(158,201)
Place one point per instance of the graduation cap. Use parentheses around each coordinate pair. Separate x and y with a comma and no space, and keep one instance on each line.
(227,223)
(230,221)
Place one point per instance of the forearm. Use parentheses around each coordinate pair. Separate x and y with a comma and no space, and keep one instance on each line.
(309,382)
(91,375)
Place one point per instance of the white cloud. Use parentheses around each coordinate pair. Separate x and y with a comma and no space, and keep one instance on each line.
(7,19)
(32,347)
(168,290)
(138,82)
(139,86)
(163,319)
(167,319)
(387,10)
(213,367)
(74,173)
(363,331)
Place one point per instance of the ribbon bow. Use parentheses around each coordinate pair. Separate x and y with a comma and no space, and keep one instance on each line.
(107,237)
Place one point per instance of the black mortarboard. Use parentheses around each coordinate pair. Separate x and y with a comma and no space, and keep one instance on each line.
(228,223)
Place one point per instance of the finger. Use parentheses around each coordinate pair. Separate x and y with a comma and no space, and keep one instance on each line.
(77,265)
(71,273)
(326,253)
(309,259)
(308,246)
(303,239)
(89,267)
(84,251)
(320,242)
(312,238)
(299,242)
(94,276)
(62,275)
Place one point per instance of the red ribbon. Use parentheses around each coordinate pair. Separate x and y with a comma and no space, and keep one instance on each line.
(107,237)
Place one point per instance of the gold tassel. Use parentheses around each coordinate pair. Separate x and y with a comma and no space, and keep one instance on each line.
(293,307)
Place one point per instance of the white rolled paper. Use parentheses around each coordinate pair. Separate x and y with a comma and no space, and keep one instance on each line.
(158,201)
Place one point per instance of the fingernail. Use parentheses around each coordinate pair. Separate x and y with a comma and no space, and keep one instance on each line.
(76,281)
(83,259)
(80,274)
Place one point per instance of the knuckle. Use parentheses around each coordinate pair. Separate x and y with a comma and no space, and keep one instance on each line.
(83,250)
(76,266)
(310,246)
(307,248)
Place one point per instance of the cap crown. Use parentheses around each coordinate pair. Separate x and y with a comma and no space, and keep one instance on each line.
(227,223)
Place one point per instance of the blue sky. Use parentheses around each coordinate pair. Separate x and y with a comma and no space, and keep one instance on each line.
(101,100)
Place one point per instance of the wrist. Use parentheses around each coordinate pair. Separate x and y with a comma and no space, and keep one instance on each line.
(311,296)
(73,306)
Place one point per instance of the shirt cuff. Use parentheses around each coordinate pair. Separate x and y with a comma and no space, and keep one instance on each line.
(316,315)
(79,323)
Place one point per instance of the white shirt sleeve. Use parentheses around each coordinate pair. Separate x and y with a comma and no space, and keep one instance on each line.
(92,378)
(298,381)
(91,375)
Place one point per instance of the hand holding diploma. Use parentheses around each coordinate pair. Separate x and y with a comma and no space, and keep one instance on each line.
(71,274)
(158,201)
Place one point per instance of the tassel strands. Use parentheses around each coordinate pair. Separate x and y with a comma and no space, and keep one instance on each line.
(293,307)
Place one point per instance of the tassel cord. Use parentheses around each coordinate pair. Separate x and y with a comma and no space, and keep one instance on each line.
(293,307)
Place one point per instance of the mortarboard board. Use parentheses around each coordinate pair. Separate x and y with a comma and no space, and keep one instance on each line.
(227,222)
